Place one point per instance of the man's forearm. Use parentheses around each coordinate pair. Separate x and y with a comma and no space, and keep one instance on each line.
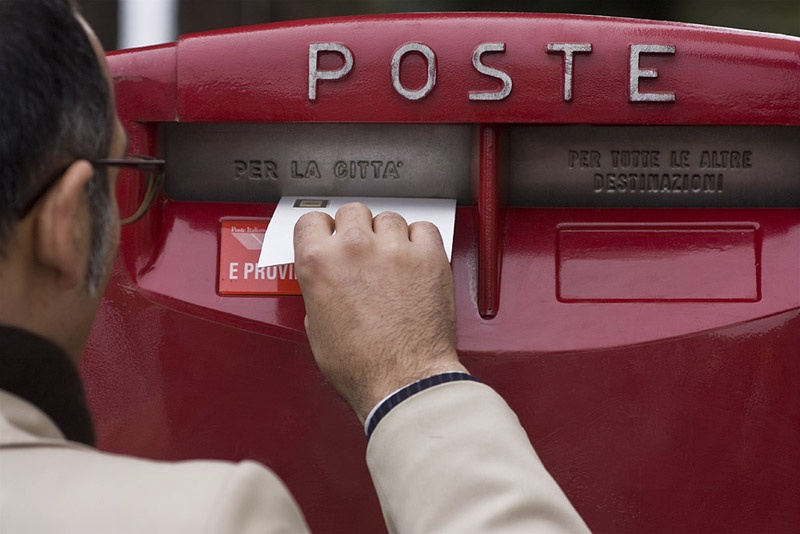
(454,458)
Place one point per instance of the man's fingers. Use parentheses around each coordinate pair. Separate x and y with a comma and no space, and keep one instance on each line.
(311,226)
(353,215)
(426,233)
(390,224)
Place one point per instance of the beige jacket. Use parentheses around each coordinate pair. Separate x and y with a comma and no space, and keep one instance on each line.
(450,459)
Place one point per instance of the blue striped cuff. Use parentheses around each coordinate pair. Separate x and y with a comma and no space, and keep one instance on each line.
(387,404)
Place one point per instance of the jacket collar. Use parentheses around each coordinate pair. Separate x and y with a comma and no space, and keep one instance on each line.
(37,371)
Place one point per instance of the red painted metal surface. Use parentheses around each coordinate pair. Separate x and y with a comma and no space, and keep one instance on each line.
(489,232)
(659,405)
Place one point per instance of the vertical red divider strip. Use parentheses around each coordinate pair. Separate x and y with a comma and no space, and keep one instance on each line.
(489,249)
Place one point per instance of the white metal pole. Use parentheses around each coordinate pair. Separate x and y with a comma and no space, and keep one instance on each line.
(147,22)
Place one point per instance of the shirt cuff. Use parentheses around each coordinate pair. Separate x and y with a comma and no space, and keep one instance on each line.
(393,399)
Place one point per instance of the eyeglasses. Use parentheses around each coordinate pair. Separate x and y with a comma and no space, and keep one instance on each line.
(136,186)
(135,195)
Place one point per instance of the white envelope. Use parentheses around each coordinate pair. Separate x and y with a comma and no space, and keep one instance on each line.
(278,247)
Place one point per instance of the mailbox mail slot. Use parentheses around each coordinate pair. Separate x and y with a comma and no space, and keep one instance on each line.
(626,251)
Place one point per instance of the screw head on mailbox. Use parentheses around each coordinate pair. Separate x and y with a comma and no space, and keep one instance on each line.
(626,252)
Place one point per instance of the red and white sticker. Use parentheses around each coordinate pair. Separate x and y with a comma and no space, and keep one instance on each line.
(239,274)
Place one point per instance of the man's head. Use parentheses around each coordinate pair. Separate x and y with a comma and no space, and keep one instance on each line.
(58,222)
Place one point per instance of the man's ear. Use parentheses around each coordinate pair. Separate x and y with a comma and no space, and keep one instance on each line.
(63,226)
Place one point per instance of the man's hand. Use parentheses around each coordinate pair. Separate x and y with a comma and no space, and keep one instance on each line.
(379,301)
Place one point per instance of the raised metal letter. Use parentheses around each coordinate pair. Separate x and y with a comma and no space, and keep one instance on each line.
(636,73)
(314,74)
(569,49)
(430,58)
(489,71)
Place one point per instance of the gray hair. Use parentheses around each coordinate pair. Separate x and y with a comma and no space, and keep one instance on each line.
(55,108)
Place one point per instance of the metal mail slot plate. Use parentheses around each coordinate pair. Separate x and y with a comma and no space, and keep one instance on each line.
(654,166)
(260,162)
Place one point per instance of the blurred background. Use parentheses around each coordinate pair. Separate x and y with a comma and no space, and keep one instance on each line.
(129,23)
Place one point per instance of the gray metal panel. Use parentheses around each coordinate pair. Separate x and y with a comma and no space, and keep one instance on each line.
(581,166)
(259,162)
(654,166)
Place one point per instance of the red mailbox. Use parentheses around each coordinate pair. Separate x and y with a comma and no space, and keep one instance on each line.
(626,251)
